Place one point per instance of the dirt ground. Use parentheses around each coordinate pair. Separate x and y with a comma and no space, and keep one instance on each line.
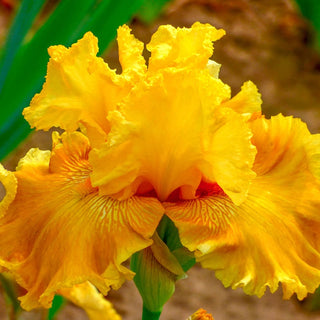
(269,43)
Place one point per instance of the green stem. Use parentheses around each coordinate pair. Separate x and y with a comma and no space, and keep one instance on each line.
(149,315)
(10,292)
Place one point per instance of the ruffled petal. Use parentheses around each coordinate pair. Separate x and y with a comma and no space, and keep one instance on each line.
(165,160)
(80,89)
(248,100)
(9,184)
(201,314)
(67,232)
(195,139)
(255,245)
(313,150)
(130,53)
(229,154)
(271,237)
(214,68)
(182,47)
(87,297)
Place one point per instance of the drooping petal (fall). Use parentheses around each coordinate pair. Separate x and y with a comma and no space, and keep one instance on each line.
(273,236)
(68,233)
(86,296)
(81,89)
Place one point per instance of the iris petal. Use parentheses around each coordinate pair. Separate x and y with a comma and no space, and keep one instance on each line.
(130,53)
(87,297)
(248,100)
(9,183)
(197,138)
(68,233)
(182,47)
(81,89)
(273,236)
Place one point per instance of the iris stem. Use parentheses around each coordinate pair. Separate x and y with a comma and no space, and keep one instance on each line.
(149,315)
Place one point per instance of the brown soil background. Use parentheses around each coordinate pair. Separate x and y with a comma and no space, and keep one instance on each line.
(269,43)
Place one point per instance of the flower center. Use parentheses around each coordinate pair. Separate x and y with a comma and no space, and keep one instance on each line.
(205,189)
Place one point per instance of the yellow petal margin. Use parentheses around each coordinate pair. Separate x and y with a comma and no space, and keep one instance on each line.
(9,183)
(182,47)
(248,100)
(81,89)
(72,92)
(68,233)
(87,297)
(274,235)
(130,53)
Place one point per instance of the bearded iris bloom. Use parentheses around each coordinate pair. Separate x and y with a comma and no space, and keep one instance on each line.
(201,315)
(167,139)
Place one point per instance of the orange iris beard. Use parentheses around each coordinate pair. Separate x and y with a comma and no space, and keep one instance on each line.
(242,190)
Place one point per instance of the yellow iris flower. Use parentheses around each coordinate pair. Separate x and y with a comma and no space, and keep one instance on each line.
(201,314)
(243,191)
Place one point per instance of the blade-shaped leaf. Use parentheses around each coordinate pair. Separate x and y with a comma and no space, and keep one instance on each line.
(24,18)
(311,10)
(150,9)
(57,304)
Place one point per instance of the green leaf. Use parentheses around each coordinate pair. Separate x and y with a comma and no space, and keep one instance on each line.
(8,287)
(185,258)
(107,17)
(156,284)
(168,232)
(311,10)
(157,271)
(13,132)
(151,9)
(27,12)
(57,304)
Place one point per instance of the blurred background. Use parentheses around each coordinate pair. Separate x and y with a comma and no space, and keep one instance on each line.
(274,43)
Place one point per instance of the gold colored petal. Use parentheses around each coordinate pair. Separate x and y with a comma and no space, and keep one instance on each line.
(195,139)
(230,155)
(201,314)
(281,143)
(130,52)
(87,297)
(182,47)
(262,242)
(9,183)
(273,236)
(248,100)
(68,233)
(79,91)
